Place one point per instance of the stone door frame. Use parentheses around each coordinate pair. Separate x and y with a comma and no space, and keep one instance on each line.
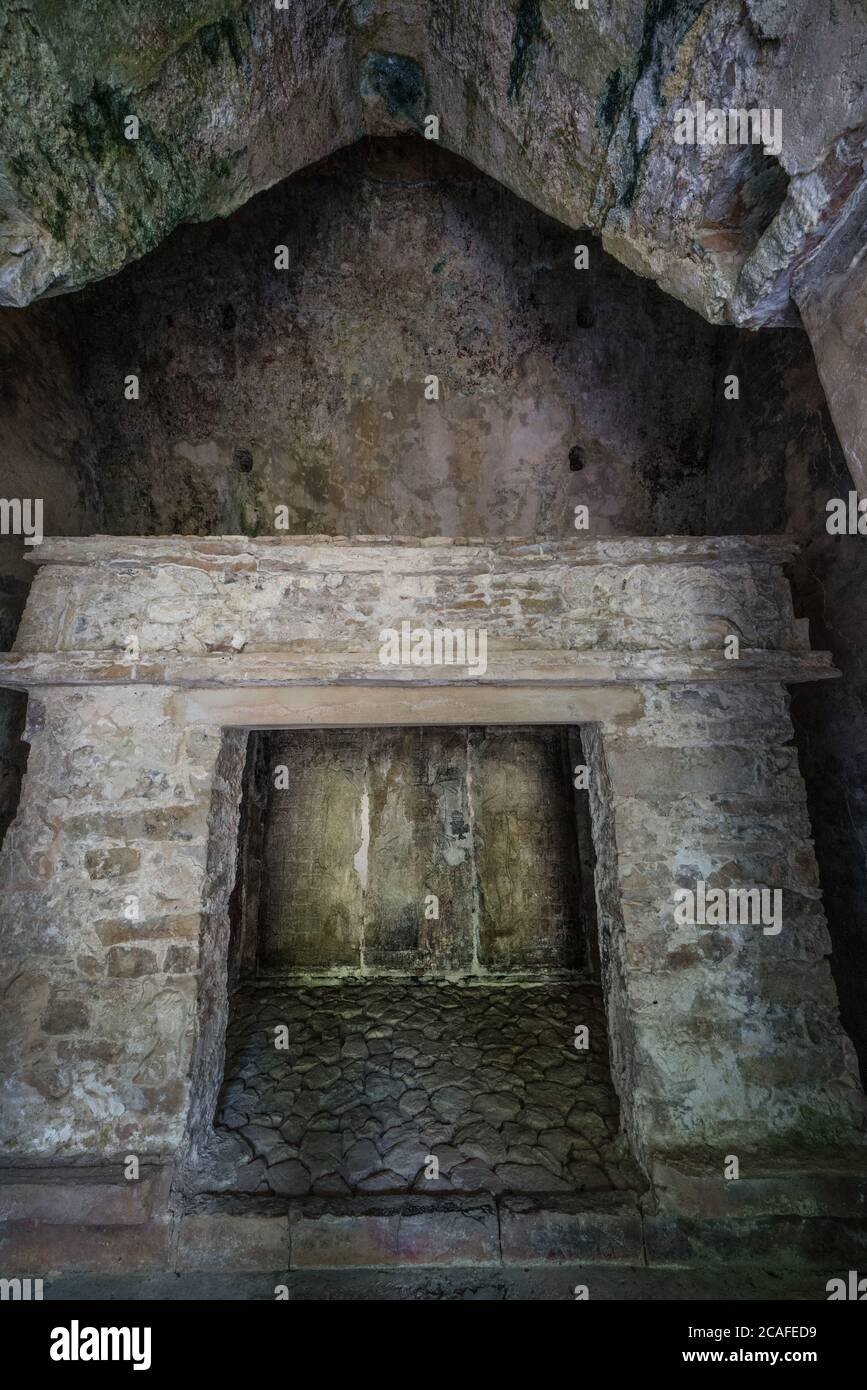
(455,705)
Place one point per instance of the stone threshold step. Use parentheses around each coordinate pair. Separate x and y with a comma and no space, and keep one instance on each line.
(425,1284)
(380,1232)
(383,1231)
(443,1234)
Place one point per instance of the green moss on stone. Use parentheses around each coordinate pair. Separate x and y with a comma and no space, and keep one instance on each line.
(224,31)
(528,31)
(611,100)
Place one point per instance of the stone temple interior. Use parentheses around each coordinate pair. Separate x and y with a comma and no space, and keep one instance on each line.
(366,976)
(386,1061)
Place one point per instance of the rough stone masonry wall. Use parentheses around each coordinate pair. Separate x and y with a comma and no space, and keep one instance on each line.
(116,1025)
(108,908)
(723,1038)
(774,465)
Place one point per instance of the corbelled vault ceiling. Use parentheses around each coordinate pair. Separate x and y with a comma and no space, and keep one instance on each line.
(570,108)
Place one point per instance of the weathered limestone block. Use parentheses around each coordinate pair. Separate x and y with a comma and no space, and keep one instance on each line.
(103,875)
(724,1038)
(312,891)
(419,841)
(524,832)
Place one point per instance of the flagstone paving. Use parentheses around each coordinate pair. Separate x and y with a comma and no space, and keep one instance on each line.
(371,1081)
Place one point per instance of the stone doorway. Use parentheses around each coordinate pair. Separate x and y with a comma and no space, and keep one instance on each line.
(412,949)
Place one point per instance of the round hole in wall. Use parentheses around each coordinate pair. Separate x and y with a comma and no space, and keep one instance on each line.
(243,460)
(576,458)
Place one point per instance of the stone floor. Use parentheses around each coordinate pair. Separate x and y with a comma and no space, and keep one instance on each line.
(378,1077)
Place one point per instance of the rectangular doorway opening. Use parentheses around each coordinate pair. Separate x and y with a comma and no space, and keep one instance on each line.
(413,971)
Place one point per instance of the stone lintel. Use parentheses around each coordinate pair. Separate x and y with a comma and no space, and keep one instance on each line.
(432,553)
(274,707)
(312,669)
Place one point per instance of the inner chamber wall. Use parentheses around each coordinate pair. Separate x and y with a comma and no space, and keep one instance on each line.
(415,852)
